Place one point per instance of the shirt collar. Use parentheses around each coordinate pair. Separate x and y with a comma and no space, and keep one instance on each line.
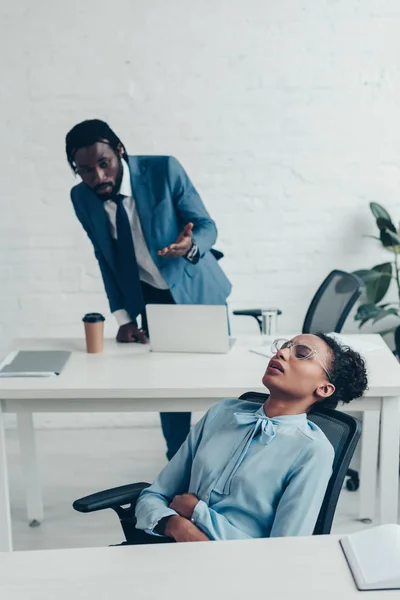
(126,187)
(284,419)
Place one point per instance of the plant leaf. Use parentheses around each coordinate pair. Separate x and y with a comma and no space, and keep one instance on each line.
(386,267)
(372,274)
(377,288)
(366,311)
(385,313)
(366,275)
(379,212)
(394,237)
(385,224)
(386,239)
(364,321)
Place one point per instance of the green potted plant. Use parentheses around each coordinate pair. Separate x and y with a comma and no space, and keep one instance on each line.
(378,279)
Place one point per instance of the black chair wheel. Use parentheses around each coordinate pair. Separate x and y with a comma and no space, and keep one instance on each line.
(352,484)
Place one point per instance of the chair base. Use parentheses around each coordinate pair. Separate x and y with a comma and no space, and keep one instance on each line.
(353,481)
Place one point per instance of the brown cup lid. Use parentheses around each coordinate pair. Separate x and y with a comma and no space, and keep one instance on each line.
(93,318)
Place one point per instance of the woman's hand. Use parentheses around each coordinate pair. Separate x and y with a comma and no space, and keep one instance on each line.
(182,530)
(184,505)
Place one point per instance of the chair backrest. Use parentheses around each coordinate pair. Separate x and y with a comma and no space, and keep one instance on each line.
(332,303)
(343,431)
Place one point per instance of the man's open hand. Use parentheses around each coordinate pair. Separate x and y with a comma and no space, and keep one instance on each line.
(182,244)
(129,333)
(184,505)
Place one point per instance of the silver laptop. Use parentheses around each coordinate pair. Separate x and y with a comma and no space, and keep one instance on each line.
(188,328)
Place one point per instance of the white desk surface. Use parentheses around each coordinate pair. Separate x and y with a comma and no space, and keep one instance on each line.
(288,568)
(131,371)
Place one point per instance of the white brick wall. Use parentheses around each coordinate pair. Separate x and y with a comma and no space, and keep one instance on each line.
(285,115)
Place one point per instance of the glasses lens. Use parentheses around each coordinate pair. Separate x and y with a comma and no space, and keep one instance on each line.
(302,351)
(280,345)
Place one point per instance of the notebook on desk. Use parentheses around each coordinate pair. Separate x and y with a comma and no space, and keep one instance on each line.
(373,556)
(34,363)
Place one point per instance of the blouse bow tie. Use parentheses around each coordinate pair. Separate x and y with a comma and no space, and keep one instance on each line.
(263,423)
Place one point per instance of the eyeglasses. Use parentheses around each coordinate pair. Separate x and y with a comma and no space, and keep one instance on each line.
(300,351)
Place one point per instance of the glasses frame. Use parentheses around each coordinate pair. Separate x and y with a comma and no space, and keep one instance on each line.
(290,345)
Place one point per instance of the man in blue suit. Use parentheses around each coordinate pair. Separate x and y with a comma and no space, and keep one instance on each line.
(151,235)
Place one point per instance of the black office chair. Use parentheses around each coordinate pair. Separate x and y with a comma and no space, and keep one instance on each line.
(330,306)
(342,430)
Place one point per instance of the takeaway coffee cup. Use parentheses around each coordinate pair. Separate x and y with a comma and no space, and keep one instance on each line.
(94,332)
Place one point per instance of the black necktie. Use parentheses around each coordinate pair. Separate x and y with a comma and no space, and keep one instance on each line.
(126,262)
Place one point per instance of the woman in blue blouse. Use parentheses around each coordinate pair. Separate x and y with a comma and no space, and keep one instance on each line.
(250,471)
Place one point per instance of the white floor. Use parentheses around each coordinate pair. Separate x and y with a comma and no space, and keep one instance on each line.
(75,463)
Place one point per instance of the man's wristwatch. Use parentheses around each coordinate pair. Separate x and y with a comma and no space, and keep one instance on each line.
(193,255)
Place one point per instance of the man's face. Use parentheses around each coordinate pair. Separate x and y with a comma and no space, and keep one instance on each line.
(100,168)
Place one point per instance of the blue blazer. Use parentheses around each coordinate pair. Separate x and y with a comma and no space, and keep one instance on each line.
(166,201)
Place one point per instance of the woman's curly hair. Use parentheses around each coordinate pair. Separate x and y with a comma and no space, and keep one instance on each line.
(348,374)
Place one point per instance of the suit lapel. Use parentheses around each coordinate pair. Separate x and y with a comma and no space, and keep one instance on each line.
(100,225)
(143,197)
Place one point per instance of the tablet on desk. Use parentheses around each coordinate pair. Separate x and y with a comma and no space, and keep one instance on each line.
(34,363)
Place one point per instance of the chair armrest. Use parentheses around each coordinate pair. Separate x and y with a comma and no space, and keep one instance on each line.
(113,498)
(254,312)
(251,312)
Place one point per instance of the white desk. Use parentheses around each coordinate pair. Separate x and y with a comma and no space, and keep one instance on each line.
(283,568)
(130,378)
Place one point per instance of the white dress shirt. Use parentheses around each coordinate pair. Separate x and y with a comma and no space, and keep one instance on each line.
(148,271)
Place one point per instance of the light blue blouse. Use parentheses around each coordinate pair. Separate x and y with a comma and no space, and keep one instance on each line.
(254,476)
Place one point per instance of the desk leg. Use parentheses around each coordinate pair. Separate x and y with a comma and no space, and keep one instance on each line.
(369,463)
(27,444)
(5,515)
(389,460)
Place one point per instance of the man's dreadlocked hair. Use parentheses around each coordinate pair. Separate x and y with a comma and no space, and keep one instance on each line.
(348,374)
(88,133)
